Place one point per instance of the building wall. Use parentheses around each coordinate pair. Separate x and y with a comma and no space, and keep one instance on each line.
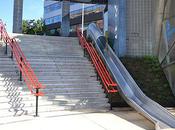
(139,25)
(131,27)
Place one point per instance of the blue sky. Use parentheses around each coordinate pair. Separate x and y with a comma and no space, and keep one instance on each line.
(33,9)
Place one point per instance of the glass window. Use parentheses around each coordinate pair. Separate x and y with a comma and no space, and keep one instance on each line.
(47,21)
(52,7)
(52,20)
(88,10)
(52,31)
(72,3)
(57,19)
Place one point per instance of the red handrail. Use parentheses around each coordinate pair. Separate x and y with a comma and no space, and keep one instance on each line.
(109,84)
(24,66)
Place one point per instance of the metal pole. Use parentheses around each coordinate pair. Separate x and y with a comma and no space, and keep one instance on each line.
(97,75)
(12,50)
(12,54)
(37,91)
(110,96)
(1,33)
(20,74)
(84,52)
(6,48)
(82,23)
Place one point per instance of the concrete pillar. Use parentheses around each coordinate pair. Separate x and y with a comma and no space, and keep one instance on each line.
(117,26)
(65,24)
(17,16)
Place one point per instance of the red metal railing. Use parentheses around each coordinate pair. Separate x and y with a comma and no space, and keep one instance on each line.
(109,84)
(26,71)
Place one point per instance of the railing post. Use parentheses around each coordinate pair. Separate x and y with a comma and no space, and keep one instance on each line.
(12,50)
(12,53)
(6,48)
(97,75)
(84,51)
(110,100)
(1,33)
(20,73)
(37,91)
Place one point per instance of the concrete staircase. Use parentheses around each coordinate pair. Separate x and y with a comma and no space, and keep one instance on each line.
(58,62)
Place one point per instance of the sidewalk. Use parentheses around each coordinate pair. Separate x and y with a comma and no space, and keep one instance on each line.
(118,119)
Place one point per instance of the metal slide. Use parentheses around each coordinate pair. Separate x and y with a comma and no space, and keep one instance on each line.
(128,88)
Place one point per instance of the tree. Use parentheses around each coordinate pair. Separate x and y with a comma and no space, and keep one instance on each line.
(25,27)
(35,27)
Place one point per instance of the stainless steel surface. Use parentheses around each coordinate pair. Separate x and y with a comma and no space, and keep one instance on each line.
(128,88)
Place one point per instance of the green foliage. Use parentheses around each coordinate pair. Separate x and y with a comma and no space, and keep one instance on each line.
(34,27)
(150,77)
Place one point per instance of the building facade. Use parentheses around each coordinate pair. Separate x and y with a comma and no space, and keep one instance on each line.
(132,27)
(53,15)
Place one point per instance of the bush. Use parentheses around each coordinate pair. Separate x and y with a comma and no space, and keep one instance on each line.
(151,79)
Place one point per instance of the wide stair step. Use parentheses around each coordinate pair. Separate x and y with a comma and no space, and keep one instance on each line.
(69,77)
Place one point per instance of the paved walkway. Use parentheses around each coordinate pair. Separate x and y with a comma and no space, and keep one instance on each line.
(118,119)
